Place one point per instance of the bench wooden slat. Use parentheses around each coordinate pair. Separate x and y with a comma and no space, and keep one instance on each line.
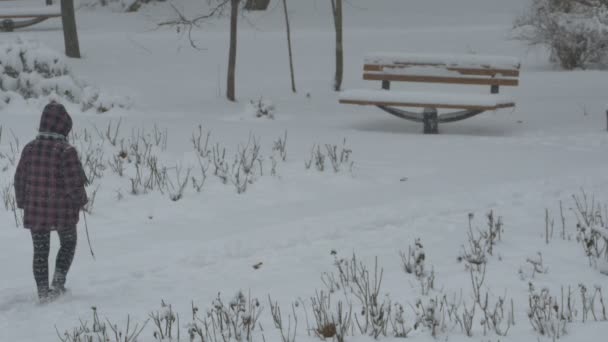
(426,99)
(32,12)
(26,16)
(424,105)
(441,79)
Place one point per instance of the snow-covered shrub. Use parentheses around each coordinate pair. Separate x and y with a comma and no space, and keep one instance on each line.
(575,31)
(545,314)
(247,166)
(481,242)
(413,262)
(235,321)
(592,230)
(101,331)
(279,152)
(262,108)
(29,71)
(431,315)
(165,322)
(331,321)
(357,279)
(287,335)
(338,156)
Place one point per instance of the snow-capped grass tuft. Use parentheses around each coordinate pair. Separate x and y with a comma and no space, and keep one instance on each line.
(32,73)
(102,331)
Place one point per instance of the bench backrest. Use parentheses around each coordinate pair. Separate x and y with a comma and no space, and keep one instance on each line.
(452,69)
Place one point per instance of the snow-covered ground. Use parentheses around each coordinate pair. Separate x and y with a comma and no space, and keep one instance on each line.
(403,185)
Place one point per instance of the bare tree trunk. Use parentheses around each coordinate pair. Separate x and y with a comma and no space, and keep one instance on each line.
(70,34)
(257,5)
(336,6)
(293,81)
(234,15)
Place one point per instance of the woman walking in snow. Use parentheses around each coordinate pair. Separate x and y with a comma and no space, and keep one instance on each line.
(49,186)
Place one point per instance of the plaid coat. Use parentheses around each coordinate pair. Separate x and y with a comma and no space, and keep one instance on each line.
(50,180)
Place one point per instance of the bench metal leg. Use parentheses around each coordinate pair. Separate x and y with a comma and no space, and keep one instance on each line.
(386,85)
(8,25)
(430,120)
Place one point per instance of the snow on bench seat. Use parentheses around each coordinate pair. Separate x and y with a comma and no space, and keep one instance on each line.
(450,60)
(426,99)
(30,12)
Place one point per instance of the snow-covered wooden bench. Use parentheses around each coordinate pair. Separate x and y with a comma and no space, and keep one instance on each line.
(492,71)
(16,18)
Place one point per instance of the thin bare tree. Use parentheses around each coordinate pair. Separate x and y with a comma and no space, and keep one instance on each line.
(336,6)
(230,83)
(293,81)
(188,24)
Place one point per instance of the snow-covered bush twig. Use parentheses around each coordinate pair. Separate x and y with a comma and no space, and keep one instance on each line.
(330,323)
(243,169)
(12,155)
(221,167)
(413,261)
(400,327)
(431,315)
(165,320)
(201,148)
(10,203)
(262,108)
(177,190)
(279,146)
(355,278)
(102,331)
(198,183)
(544,313)
(481,244)
(339,156)
(592,230)
(287,335)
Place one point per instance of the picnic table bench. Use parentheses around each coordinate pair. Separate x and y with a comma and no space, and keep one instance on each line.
(472,70)
(16,18)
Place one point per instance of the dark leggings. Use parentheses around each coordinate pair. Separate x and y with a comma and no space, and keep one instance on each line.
(42,244)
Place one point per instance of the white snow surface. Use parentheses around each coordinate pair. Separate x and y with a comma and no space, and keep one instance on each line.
(403,185)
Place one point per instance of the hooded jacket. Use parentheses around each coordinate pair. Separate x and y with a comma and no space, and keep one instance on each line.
(50,181)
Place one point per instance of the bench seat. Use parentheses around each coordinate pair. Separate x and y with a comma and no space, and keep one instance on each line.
(426,99)
(30,12)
